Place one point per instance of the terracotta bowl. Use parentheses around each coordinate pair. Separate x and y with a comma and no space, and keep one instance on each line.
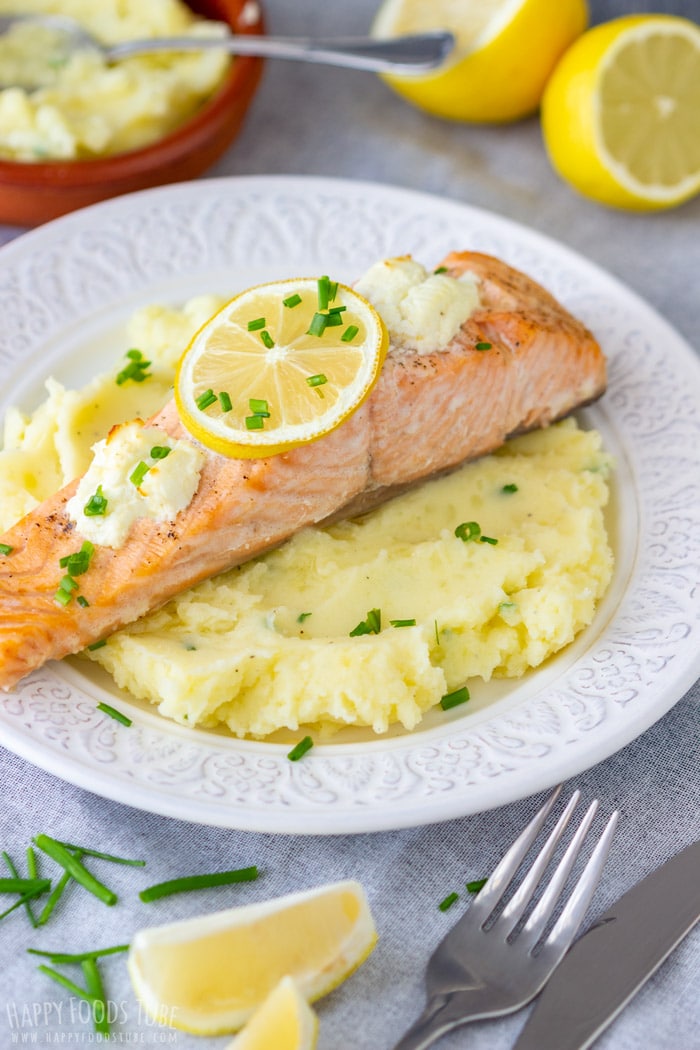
(33,193)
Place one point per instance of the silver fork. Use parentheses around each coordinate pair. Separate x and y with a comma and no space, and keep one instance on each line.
(481,969)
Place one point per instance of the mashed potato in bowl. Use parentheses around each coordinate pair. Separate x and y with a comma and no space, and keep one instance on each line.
(369,622)
(86,108)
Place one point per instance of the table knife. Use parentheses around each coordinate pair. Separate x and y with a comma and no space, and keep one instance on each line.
(605,967)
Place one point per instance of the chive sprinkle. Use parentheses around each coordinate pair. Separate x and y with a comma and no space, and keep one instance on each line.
(483,346)
(70,957)
(372,625)
(82,601)
(205,399)
(6,549)
(459,696)
(54,898)
(440,269)
(511,487)
(139,473)
(95,988)
(68,583)
(103,856)
(31,866)
(303,616)
(255,422)
(476,885)
(317,380)
(488,539)
(14,884)
(24,899)
(291,301)
(318,324)
(324,288)
(300,749)
(78,562)
(259,406)
(468,530)
(198,882)
(225,401)
(267,339)
(349,333)
(96,506)
(333,319)
(135,370)
(70,863)
(402,623)
(97,645)
(66,983)
(62,597)
(448,901)
(257,324)
(113,713)
(160,452)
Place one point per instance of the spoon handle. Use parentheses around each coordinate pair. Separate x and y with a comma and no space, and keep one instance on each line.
(403,54)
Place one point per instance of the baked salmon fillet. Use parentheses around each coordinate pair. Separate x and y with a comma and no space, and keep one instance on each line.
(428,413)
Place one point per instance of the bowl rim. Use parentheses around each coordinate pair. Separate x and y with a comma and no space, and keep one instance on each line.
(194,131)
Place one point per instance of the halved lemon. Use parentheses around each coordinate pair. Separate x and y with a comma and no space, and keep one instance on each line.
(209,974)
(280,365)
(621,113)
(285,1021)
(505,51)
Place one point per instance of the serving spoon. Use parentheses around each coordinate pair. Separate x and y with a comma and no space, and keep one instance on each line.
(415,53)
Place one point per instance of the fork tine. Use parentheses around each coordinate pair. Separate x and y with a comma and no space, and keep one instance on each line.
(502,875)
(511,914)
(571,917)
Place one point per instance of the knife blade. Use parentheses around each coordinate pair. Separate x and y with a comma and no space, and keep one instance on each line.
(608,965)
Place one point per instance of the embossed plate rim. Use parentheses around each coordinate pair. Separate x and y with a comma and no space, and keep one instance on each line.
(104,255)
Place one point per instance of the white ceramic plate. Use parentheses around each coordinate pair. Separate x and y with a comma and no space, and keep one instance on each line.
(66,291)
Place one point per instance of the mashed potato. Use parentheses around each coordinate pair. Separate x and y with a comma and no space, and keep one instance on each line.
(269,645)
(85,108)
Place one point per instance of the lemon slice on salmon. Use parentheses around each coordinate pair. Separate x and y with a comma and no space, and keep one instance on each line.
(208,974)
(280,365)
(621,113)
(285,1021)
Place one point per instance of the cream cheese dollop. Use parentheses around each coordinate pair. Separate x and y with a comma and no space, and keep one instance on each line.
(422,311)
(160,492)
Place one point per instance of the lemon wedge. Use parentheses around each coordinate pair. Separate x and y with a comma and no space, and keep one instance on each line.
(621,113)
(208,974)
(280,365)
(505,51)
(285,1021)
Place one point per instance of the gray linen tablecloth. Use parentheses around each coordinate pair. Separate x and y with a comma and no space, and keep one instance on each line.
(314,120)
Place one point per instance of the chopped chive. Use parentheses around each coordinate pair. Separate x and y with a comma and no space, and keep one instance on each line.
(6,549)
(255,422)
(300,749)
(437,632)
(459,696)
(225,401)
(54,898)
(139,473)
(257,324)
(198,882)
(483,346)
(134,355)
(82,601)
(102,856)
(259,406)
(95,988)
(337,309)
(68,583)
(324,288)
(511,487)
(205,400)
(332,291)
(303,616)
(291,301)
(402,623)
(476,885)
(96,506)
(160,451)
(70,957)
(267,339)
(15,874)
(24,899)
(113,713)
(317,380)
(69,985)
(135,370)
(97,645)
(440,269)
(62,597)
(372,625)
(318,324)
(70,863)
(349,333)
(78,562)
(468,530)
(15,884)
(333,319)
(488,539)
(448,901)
